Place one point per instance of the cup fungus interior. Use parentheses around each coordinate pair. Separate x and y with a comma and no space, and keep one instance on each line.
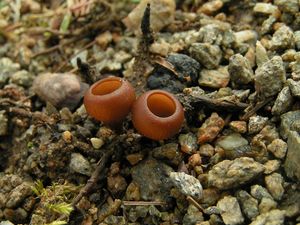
(161,105)
(106,87)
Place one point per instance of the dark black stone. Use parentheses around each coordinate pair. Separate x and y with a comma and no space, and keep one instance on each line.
(187,70)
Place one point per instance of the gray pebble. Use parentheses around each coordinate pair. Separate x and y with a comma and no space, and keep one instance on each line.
(187,184)
(271,166)
(233,173)
(275,216)
(260,192)
(270,77)
(192,216)
(6,223)
(230,210)
(188,143)
(283,38)
(7,68)
(248,204)
(294,87)
(79,164)
(278,147)
(291,164)
(169,152)
(208,55)
(283,101)
(18,194)
(231,142)
(256,124)
(287,121)
(22,78)
(61,90)
(153,180)
(267,204)
(240,70)
(289,6)
(214,78)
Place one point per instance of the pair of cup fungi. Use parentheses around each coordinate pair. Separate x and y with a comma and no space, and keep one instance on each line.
(156,114)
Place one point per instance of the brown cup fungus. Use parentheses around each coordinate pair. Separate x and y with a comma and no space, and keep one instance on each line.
(109,100)
(157,114)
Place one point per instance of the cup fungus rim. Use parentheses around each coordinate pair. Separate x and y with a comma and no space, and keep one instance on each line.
(174,100)
(117,91)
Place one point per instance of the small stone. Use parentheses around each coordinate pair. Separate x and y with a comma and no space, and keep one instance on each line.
(132,192)
(266,204)
(283,102)
(134,158)
(79,164)
(274,184)
(271,166)
(283,38)
(210,197)
(149,175)
(230,210)
(294,87)
(232,144)
(269,133)
(238,126)
(186,67)
(206,150)
(256,123)
(18,194)
(22,78)
(275,216)
(192,216)
(97,142)
(211,7)
(261,54)
(267,26)
(214,78)
(194,160)
(278,147)
(245,36)
(18,216)
(188,143)
(291,164)
(290,6)
(248,204)
(187,184)
(267,8)
(67,136)
(3,123)
(61,90)
(116,184)
(288,121)
(159,9)
(6,223)
(7,68)
(240,70)
(208,55)
(234,173)
(169,152)
(270,77)
(210,128)
(260,192)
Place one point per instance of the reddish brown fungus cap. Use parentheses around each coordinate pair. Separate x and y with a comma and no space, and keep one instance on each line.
(109,100)
(157,114)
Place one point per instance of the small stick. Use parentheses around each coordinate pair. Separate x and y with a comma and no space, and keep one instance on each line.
(143,203)
(254,109)
(195,203)
(94,177)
